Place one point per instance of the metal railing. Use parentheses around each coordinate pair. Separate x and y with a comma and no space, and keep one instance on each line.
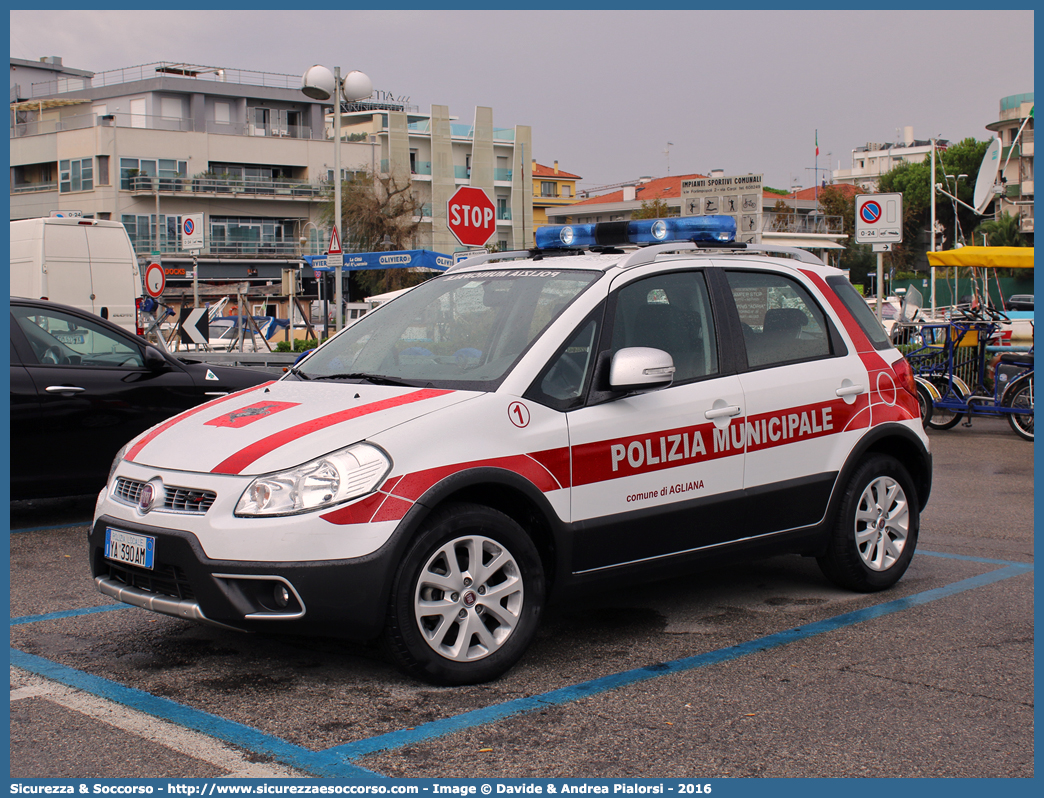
(801,223)
(162,69)
(147,245)
(153,122)
(284,189)
(27,188)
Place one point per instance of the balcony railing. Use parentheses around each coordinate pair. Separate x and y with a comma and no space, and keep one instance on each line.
(802,223)
(281,189)
(146,246)
(28,188)
(160,69)
(151,122)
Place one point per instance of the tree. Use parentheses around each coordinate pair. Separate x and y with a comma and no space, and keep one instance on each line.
(782,215)
(857,258)
(657,209)
(1003,232)
(378,212)
(913,181)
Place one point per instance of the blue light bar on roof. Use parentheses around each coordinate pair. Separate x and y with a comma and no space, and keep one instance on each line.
(719,229)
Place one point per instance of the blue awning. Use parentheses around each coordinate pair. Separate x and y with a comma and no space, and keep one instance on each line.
(402,259)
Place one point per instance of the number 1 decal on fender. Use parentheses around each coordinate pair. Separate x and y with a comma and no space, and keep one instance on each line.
(519,414)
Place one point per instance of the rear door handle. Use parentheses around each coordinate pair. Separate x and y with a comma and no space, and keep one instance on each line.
(722,412)
(850,390)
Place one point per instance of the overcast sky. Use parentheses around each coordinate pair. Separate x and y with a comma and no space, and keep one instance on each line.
(606,90)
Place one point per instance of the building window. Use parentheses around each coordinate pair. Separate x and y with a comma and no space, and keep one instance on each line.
(567,191)
(76,175)
(222,113)
(547,189)
(103,170)
(234,235)
(163,168)
(260,119)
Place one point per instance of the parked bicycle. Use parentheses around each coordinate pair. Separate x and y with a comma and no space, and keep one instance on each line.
(957,375)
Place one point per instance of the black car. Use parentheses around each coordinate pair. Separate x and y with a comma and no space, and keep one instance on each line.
(82,387)
(1019,302)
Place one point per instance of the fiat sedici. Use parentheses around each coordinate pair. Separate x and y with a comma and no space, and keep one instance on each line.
(624,401)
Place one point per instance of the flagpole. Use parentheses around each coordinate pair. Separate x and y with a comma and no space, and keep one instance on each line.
(815,174)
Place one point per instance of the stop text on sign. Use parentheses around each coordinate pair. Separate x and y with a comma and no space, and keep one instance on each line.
(471,216)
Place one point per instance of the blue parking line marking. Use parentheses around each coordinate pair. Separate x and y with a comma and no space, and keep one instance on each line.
(230,731)
(966,558)
(480,717)
(338,760)
(52,616)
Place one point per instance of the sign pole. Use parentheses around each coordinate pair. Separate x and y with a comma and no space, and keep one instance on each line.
(337,190)
(880,287)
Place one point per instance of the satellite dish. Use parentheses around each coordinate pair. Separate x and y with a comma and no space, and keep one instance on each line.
(318,83)
(987,176)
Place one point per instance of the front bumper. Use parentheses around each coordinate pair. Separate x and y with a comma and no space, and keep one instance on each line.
(339,598)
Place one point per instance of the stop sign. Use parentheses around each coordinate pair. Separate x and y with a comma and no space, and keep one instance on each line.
(472,216)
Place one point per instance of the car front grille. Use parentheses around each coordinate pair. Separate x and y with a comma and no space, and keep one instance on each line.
(166,580)
(175,500)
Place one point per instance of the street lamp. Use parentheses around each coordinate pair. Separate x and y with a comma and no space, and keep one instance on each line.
(304,234)
(321,84)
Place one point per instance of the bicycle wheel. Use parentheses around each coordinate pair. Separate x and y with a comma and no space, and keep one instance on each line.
(942,417)
(1021,396)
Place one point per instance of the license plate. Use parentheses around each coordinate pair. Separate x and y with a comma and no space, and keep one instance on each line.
(129,548)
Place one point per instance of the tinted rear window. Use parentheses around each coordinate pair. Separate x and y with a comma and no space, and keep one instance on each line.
(860,311)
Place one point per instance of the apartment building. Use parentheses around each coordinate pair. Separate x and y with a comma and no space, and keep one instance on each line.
(146,145)
(552,188)
(1014,128)
(438,153)
(874,159)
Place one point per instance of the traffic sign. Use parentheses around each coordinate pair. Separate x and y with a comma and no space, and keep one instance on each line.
(335,243)
(195,326)
(191,231)
(472,216)
(879,218)
(155,280)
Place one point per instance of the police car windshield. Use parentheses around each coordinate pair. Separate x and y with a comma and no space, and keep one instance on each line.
(457,331)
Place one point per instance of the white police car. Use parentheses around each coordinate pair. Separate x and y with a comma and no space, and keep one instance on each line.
(522,426)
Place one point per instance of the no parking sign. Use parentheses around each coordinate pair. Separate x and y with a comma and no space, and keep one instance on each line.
(879,218)
(192,231)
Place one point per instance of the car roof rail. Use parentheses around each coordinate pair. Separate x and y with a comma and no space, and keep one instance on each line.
(475,260)
(796,253)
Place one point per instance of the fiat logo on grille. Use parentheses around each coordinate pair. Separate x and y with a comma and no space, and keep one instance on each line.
(147,499)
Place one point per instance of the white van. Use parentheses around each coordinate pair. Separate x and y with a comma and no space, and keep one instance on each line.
(87,263)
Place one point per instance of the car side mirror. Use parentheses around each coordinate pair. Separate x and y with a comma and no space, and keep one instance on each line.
(640,368)
(154,360)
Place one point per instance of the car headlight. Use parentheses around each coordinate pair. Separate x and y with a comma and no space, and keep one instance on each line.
(331,479)
(116,462)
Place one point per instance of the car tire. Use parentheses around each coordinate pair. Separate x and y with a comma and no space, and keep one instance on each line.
(467,598)
(924,404)
(875,531)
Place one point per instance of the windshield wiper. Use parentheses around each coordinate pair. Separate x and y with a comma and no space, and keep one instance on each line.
(376,379)
(298,373)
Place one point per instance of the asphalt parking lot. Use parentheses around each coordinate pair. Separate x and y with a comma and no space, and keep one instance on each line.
(762,670)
